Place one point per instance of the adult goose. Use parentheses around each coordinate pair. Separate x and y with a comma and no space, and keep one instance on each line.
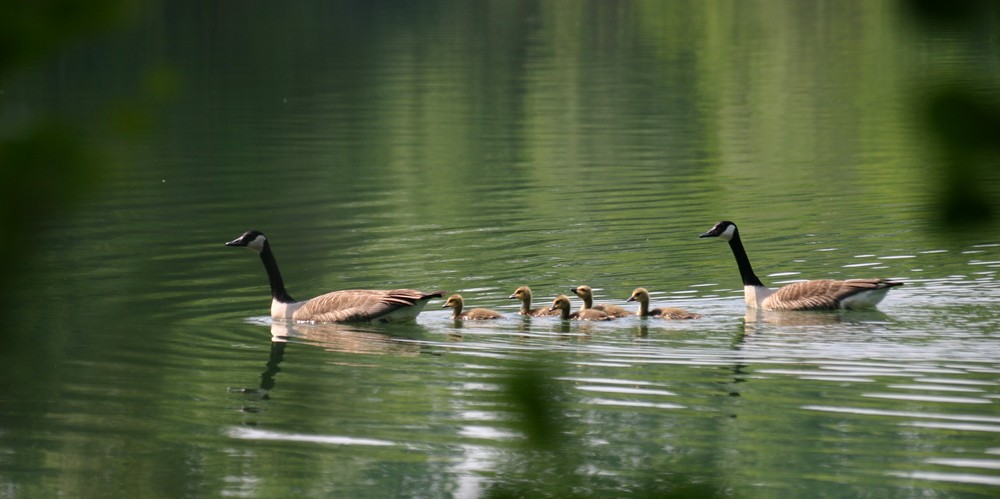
(822,294)
(476,314)
(561,303)
(523,293)
(352,305)
(642,296)
(587,295)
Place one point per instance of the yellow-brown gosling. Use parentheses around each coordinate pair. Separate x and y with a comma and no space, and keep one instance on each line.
(561,303)
(475,314)
(587,295)
(523,293)
(642,296)
(823,294)
(351,305)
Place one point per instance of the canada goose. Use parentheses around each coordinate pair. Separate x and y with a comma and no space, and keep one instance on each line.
(476,314)
(561,303)
(523,293)
(352,305)
(642,296)
(587,295)
(822,294)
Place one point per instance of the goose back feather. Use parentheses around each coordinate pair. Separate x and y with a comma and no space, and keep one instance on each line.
(828,294)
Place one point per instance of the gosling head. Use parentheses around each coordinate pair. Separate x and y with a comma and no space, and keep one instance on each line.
(454,301)
(724,230)
(560,303)
(582,291)
(254,240)
(522,293)
(640,295)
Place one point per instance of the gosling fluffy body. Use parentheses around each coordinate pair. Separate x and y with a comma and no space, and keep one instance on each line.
(586,294)
(641,295)
(476,314)
(523,293)
(561,303)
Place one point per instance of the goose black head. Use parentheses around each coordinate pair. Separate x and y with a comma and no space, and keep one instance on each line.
(253,240)
(724,230)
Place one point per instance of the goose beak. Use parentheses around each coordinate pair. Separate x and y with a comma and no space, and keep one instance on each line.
(236,242)
(708,234)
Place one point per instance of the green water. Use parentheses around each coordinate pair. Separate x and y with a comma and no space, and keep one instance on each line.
(477,147)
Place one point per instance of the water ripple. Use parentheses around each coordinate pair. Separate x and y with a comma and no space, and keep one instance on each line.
(948,477)
(927,398)
(255,434)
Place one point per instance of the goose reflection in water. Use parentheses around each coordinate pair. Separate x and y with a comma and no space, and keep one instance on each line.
(275,357)
(810,318)
(331,337)
(347,338)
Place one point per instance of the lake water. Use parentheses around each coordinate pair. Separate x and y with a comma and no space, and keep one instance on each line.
(477,147)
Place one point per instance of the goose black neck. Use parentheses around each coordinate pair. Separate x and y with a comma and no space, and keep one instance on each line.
(743,261)
(274,276)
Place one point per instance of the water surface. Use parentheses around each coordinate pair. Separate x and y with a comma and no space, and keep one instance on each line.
(477,148)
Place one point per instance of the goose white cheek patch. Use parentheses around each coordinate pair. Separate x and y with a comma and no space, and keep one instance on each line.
(728,233)
(257,244)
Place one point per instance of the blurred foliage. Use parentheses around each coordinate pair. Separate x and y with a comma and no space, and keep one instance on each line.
(964,119)
(551,464)
(47,166)
(33,30)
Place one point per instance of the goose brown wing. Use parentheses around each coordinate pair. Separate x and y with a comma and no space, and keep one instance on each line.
(823,294)
(357,305)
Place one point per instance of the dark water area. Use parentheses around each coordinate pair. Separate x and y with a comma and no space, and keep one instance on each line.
(477,147)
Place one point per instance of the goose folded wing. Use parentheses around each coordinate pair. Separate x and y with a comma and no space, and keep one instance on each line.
(358,305)
(823,294)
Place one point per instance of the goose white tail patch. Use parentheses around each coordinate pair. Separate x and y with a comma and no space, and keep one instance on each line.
(864,299)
